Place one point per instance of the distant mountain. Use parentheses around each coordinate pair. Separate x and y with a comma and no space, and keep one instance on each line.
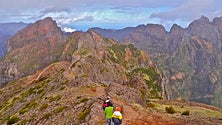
(115,34)
(189,58)
(32,48)
(6,31)
(60,80)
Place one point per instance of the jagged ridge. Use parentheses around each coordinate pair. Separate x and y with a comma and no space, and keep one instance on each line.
(189,58)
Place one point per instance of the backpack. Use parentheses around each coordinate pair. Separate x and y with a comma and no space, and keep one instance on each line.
(104,105)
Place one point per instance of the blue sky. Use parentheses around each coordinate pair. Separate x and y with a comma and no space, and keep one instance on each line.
(114,14)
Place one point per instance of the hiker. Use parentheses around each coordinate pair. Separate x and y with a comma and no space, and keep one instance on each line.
(104,105)
(117,116)
(109,112)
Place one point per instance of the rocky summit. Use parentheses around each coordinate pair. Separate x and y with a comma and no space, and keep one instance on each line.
(189,59)
(30,49)
(67,79)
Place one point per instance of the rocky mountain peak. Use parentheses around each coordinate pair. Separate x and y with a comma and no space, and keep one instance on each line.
(46,28)
(155,30)
(217,21)
(202,21)
(43,38)
(175,28)
(204,28)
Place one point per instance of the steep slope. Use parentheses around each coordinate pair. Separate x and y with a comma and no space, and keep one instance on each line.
(189,59)
(72,91)
(32,48)
(6,31)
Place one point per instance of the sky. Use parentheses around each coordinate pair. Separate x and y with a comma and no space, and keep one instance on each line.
(73,15)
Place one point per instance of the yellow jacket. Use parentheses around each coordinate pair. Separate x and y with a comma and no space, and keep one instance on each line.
(117,114)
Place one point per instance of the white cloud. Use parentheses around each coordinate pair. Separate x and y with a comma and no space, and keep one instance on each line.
(68,29)
(69,19)
(108,13)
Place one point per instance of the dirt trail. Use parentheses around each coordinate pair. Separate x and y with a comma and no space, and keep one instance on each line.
(128,112)
(133,115)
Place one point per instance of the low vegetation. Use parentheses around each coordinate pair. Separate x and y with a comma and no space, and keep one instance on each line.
(170,110)
(83,115)
(187,112)
(60,109)
(12,120)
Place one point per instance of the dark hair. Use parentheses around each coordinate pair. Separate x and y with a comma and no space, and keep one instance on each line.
(109,104)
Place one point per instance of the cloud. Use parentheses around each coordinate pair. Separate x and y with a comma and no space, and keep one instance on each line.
(108,12)
(54,10)
(68,29)
(189,10)
(69,20)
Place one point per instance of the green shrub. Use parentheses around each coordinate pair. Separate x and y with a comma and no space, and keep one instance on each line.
(40,91)
(84,100)
(46,116)
(52,87)
(170,110)
(187,112)
(12,120)
(63,87)
(56,98)
(60,109)
(44,106)
(150,104)
(22,111)
(83,115)
(24,122)
(64,82)
(28,106)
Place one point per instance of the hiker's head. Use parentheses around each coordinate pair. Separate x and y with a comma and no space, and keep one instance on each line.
(118,109)
(109,103)
(108,97)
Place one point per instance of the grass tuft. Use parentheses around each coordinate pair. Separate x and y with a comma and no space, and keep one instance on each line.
(12,120)
(170,110)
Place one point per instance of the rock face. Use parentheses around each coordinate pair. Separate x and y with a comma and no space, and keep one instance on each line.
(40,31)
(6,31)
(189,58)
(32,48)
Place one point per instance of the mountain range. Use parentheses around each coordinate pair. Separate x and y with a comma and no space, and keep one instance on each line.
(50,77)
(189,58)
